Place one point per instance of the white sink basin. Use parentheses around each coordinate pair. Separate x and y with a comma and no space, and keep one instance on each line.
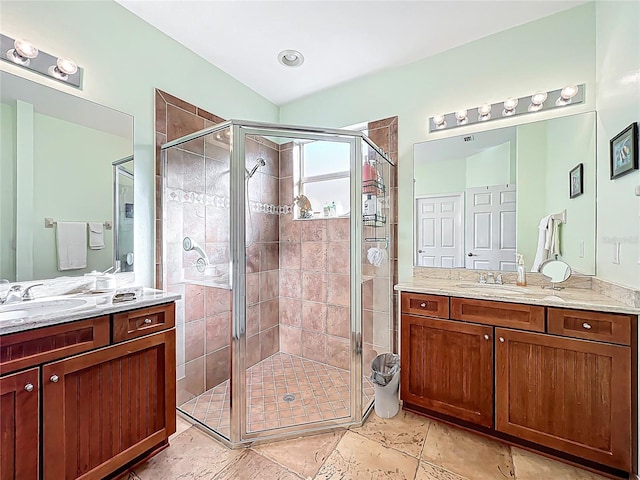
(16,312)
(495,288)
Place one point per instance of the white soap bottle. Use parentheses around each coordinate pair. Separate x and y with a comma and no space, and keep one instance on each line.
(370,205)
(521,279)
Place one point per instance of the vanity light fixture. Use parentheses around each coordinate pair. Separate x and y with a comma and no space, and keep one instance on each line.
(566,94)
(461,117)
(484,112)
(24,54)
(291,58)
(537,101)
(512,106)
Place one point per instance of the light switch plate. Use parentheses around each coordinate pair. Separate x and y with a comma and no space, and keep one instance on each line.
(616,253)
(638,190)
(581,249)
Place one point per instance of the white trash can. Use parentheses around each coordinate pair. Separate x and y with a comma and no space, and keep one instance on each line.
(385,375)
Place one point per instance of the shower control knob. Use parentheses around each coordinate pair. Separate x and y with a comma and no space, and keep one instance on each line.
(29,387)
(54,378)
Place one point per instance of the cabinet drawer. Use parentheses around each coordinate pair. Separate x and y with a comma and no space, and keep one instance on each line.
(33,347)
(423,304)
(499,314)
(605,327)
(136,323)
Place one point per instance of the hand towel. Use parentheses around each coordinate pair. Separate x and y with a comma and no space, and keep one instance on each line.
(541,252)
(376,256)
(71,239)
(96,235)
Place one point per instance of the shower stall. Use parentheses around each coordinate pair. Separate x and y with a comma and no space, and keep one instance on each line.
(286,282)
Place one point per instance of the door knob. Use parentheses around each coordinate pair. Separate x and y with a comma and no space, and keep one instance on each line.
(472,254)
(54,378)
(28,387)
(420,251)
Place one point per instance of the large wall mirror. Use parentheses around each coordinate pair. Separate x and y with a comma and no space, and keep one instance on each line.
(480,198)
(58,161)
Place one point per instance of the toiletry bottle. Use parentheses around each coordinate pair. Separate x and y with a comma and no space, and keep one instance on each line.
(369,207)
(369,176)
(521,279)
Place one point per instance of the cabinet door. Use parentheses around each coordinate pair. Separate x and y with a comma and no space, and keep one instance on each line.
(19,426)
(447,367)
(104,408)
(570,395)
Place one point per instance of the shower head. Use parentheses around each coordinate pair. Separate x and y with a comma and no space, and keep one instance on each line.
(259,163)
(189,244)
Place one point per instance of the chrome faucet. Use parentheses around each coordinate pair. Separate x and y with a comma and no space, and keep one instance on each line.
(16,294)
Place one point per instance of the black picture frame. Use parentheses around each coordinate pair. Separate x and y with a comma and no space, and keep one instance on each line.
(576,181)
(623,151)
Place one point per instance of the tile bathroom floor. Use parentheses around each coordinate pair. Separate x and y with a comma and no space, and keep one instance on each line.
(407,446)
(320,392)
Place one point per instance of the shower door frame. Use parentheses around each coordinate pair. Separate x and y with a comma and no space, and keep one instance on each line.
(240,130)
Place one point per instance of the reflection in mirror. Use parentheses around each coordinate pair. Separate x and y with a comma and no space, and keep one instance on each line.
(480,197)
(123,214)
(556,271)
(56,161)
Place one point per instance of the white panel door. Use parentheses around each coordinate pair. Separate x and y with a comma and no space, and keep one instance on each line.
(490,242)
(439,241)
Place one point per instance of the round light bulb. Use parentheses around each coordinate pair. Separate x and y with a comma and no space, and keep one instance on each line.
(438,120)
(25,49)
(538,98)
(291,58)
(461,115)
(66,65)
(484,110)
(510,103)
(569,92)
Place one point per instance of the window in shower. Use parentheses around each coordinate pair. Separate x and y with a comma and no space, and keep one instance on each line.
(324,175)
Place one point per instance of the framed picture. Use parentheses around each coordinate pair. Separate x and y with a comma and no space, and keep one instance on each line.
(576,183)
(623,151)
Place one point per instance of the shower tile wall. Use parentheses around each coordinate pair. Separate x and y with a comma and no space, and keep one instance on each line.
(263,276)
(314,281)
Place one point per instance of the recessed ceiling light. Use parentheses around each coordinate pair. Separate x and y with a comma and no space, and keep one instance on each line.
(291,58)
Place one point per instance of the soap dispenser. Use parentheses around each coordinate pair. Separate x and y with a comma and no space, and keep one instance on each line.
(521,279)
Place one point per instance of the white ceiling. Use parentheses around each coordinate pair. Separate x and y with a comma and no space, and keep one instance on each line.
(340,40)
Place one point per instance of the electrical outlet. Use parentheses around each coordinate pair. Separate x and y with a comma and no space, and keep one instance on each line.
(638,190)
(581,249)
(616,253)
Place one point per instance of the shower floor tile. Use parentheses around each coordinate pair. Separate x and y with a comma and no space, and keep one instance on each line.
(320,391)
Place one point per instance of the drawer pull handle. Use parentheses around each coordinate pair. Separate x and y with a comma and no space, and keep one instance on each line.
(423,305)
(501,340)
(586,326)
(486,337)
(54,378)
(28,387)
(147,321)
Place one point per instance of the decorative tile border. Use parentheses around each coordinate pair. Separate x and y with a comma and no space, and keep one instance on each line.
(181,196)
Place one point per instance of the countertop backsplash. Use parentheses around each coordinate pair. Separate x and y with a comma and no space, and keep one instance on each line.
(67,285)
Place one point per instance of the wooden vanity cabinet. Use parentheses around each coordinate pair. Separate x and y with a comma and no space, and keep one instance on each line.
(104,408)
(570,395)
(554,377)
(19,425)
(450,368)
(103,404)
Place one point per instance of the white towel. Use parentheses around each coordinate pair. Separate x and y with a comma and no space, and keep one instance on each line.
(96,235)
(548,241)
(71,239)
(376,256)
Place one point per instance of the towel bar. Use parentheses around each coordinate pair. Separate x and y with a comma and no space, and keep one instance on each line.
(50,222)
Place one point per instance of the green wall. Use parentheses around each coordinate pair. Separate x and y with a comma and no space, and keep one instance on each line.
(60,160)
(7,191)
(464,76)
(101,37)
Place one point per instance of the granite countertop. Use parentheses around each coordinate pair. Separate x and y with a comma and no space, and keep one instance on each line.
(577,298)
(100,304)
